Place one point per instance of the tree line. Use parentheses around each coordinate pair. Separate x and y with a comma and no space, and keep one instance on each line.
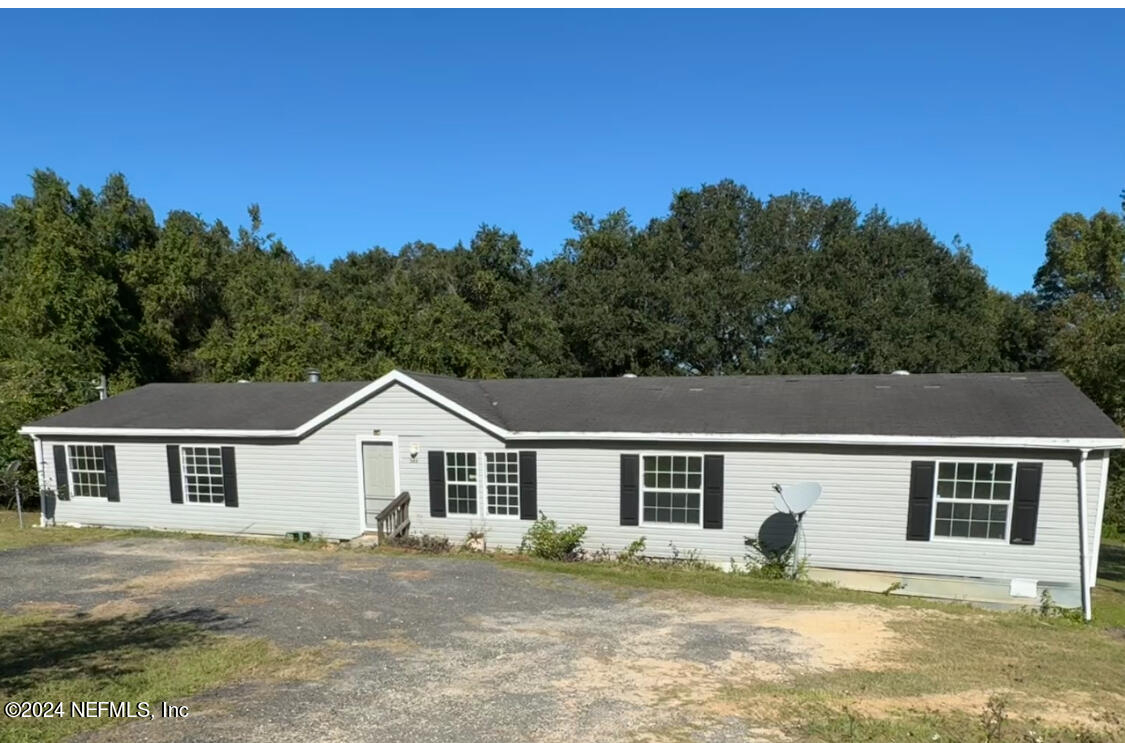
(91,283)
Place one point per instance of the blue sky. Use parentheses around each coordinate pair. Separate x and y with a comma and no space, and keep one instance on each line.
(354,129)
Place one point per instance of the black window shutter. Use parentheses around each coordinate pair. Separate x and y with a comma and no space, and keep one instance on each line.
(1025,502)
(62,487)
(529,481)
(713,491)
(175,483)
(230,478)
(437,484)
(630,492)
(109,458)
(920,512)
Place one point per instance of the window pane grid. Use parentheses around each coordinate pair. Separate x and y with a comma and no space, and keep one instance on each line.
(973,499)
(203,473)
(461,481)
(86,463)
(502,482)
(672,489)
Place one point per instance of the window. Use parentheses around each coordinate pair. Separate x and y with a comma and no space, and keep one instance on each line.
(502,482)
(461,481)
(203,473)
(973,499)
(673,489)
(86,463)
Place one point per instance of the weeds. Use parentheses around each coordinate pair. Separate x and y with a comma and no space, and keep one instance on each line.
(546,541)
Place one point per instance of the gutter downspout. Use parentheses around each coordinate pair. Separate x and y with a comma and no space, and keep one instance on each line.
(38,447)
(1096,550)
(1083,528)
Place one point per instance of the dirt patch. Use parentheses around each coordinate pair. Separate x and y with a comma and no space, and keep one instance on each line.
(828,637)
(398,644)
(117,608)
(165,580)
(1073,709)
(45,607)
(251,600)
(411,575)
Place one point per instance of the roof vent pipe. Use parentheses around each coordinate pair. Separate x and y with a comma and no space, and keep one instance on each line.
(314,376)
(900,373)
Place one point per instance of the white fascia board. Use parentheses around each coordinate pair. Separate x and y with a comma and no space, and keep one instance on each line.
(998,442)
(158,432)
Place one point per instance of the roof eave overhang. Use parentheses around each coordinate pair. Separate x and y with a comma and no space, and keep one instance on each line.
(999,442)
(397,377)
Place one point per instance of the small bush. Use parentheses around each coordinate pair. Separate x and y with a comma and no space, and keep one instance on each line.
(634,552)
(1048,608)
(763,562)
(545,540)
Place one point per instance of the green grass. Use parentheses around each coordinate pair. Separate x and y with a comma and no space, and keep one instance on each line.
(31,535)
(165,655)
(1109,594)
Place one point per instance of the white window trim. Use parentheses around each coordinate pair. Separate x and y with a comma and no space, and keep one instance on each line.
(482,486)
(641,488)
(934,501)
(71,493)
(474,483)
(183,475)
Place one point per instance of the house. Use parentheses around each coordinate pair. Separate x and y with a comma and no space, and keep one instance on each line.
(982,486)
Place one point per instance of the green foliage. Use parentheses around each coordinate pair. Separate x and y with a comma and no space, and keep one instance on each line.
(634,552)
(724,283)
(774,564)
(544,540)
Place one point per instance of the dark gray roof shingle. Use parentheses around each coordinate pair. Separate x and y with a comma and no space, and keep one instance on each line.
(255,406)
(1037,405)
(1043,404)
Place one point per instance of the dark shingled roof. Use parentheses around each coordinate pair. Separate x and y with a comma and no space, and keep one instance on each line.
(1043,404)
(1038,405)
(254,406)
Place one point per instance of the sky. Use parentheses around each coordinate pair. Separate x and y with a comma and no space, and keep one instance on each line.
(363,128)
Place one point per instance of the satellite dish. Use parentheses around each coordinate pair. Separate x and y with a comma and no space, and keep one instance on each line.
(796,498)
(777,533)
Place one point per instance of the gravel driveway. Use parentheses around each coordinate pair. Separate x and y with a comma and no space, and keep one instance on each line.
(442,649)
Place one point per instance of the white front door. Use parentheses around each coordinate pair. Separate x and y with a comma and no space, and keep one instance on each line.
(378,478)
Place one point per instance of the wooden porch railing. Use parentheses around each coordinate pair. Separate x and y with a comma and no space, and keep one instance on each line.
(394,520)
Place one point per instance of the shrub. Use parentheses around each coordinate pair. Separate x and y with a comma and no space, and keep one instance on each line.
(763,562)
(634,552)
(545,540)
